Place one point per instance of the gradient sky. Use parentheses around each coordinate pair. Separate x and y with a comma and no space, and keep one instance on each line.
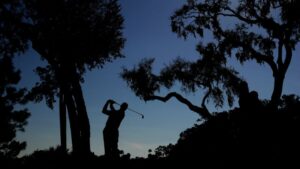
(148,33)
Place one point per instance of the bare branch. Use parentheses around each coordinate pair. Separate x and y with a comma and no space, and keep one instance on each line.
(203,112)
(237,15)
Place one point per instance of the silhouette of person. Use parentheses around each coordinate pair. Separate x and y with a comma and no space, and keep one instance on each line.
(255,100)
(243,95)
(248,100)
(110,132)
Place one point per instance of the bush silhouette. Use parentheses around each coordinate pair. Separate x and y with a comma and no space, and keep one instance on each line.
(239,139)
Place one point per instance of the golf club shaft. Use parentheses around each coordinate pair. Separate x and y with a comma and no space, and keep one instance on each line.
(131,109)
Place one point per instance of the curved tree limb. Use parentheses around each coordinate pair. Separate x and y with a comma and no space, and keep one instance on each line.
(205,98)
(265,58)
(203,112)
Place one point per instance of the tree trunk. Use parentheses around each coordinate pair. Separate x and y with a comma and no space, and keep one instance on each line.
(62,118)
(277,91)
(84,125)
(73,118)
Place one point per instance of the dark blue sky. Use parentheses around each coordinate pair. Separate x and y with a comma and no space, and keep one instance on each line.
(148,33)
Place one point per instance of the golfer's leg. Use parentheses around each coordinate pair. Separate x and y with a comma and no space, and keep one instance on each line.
(114,144)
(106,142)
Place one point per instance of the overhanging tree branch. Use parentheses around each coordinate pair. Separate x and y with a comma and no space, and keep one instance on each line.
(267,59)
(203,112)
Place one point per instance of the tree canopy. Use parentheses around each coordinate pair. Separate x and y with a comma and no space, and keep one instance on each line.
(13,35)
(12,119)
(85,33)
(264,31)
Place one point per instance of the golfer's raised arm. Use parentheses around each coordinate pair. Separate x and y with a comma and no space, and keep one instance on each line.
(104,110)
(111,106)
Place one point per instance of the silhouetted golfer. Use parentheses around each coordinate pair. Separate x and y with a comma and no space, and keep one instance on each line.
(110,132)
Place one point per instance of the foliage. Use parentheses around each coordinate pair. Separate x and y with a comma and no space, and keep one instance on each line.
(13,31)
(12,120)
(141,80)
(13,40)
(84,34)
(208,73)
(89,31)
(160,152)
(254,31)
(238,137)
(46,89)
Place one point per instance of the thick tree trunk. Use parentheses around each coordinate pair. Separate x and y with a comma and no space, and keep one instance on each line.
(279,75)
(63,119)
(73,118)
(277,91)
(80,109)
(84,125)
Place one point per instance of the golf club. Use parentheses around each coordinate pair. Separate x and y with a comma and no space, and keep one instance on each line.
(131,110)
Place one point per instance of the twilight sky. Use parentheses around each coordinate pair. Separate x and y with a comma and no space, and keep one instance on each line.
(148,34)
